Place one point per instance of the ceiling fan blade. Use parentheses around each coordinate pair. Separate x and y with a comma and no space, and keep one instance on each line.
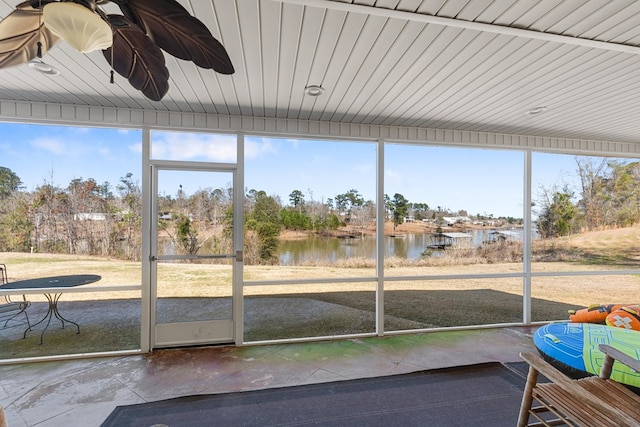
(20,32)
(137,58)
(177,32)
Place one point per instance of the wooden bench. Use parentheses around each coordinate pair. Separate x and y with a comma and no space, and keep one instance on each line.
(590,402)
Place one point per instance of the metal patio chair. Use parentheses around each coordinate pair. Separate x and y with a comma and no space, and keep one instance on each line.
(10,308)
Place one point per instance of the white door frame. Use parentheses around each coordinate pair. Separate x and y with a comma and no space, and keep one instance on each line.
(149,227)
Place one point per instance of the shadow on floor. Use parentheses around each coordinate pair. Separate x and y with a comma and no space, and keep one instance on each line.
(113,325)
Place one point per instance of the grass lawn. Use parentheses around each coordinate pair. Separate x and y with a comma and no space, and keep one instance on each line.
(110,320)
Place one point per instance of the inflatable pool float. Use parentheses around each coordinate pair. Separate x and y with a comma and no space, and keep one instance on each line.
(619,315)
(573,348)
(595,313)
(627,317)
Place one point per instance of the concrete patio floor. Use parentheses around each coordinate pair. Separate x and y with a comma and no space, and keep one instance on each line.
(84,392)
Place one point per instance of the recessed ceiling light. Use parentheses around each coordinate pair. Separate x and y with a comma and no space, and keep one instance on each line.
(537,110)
(314,90)
(42,67)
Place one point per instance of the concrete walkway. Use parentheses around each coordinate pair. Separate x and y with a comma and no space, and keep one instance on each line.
(84,392)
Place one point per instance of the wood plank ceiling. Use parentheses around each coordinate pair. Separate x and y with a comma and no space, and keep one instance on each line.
(476,65)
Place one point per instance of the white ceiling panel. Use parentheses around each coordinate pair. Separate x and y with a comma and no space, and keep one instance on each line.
(475,65)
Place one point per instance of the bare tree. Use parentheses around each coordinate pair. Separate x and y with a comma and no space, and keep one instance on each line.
(594,201)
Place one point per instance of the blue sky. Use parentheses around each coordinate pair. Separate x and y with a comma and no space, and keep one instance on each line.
(56,155)
(479,181)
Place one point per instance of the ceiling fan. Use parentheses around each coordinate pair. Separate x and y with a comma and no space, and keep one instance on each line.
(132,43)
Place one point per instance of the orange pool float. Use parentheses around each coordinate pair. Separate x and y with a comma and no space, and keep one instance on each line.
(595,313)
(627,317)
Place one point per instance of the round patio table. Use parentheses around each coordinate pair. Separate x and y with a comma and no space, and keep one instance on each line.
(52,297)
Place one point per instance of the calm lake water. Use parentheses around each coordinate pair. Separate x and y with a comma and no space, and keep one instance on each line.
(330,249)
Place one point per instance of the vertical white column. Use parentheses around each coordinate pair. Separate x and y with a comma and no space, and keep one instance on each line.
(526,235)
(238,243)
(380,214)
(146,324)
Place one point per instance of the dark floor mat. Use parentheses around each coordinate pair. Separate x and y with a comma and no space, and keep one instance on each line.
(485,394)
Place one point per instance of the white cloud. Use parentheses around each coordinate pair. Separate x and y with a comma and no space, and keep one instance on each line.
(52,145)
(191,146)
(216,148)
(80,130)
(255,148)
(295,143)
(135,148)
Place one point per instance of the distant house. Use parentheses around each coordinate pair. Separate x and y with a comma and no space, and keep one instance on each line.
(90,216)
(450,221)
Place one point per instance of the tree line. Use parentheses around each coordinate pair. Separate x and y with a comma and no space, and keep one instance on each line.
(83,218)
(87,217)
(608,197)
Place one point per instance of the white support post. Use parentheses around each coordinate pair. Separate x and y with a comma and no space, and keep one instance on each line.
(526,236)
(380,214)
(146,325)
(238,243)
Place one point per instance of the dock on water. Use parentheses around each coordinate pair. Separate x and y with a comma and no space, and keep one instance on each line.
(450,240)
